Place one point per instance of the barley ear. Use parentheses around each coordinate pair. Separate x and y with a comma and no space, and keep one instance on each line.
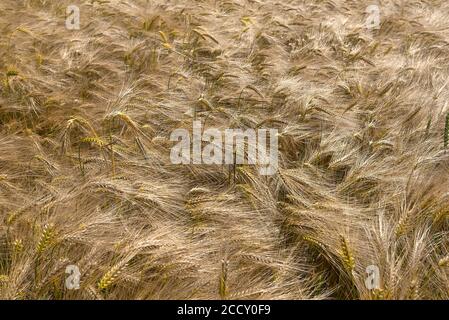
(47,237)
(444,262)
(346,254)
(223,290)
(109,278)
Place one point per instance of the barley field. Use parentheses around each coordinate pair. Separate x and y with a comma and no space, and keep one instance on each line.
(92,207)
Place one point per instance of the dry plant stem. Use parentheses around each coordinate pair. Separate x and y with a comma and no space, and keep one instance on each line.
(111,146)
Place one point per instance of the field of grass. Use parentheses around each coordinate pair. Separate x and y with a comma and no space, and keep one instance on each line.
(363,128)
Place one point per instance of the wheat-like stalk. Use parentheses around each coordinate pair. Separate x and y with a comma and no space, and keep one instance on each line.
(446,131)
(110,277)
(3,279)
(46,238)
(223,285)
(18,246)
(346,254)
(444,262)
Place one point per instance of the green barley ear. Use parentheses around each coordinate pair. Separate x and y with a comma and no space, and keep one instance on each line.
(94,141)
(47,237)
(163,36)
(378,294)
(346,254)
(39,59)
(18,245)
(11,72)
(11,217)
(110,277)
(444,262)
(223,290)
(446,131)
(314,242)
(3,279)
